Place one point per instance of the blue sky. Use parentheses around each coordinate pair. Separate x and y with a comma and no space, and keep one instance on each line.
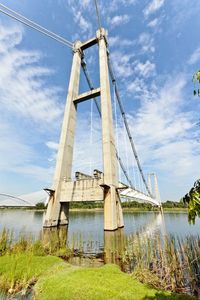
(155,50)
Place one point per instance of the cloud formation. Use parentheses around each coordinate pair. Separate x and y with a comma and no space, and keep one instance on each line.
(28,105)
(153,6)
(118,20)
(195,57)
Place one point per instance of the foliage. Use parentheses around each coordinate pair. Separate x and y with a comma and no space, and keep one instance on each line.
(40,205)
(196,78)
(173,204)
(171,264)
(193,200)
(19,271)
(128,204)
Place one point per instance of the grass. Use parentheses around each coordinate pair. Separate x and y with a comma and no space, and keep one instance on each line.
(19,271)
(170,264)
(56,279)
(103,283)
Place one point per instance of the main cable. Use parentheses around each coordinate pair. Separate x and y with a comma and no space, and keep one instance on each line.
(126,125)
(98,14)
(18,17)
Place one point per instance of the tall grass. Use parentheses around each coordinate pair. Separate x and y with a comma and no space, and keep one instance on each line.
(170,263)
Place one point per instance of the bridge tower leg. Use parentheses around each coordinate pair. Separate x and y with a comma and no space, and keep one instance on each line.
(157,193)
(113,217)
(57,213)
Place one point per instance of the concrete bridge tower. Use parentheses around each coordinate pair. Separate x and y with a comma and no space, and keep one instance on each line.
(107,187)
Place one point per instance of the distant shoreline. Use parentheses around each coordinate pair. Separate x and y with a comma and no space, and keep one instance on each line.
(125,209)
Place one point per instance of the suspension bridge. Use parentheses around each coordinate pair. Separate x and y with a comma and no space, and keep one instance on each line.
(103,185)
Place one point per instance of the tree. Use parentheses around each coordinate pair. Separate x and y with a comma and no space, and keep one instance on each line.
(40,205)
(193,200)
(196,78)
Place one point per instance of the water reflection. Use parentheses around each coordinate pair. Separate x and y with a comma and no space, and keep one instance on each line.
(88,226)
(55,237)
(113,245)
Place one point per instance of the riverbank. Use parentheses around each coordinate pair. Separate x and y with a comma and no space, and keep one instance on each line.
(125,209)
(169,265)
(49,277)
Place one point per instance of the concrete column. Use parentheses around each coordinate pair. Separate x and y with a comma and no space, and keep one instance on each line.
(157,193)
(149,183)
(111,197)
(57,214)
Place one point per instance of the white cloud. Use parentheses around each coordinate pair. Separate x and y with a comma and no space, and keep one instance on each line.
(195,57)
(146,69)
(153,6)
(146,41)
(164,135)
(107,7)
(27,105)
(153,23)
(81,12)
(119,41)
(84,25)
(118,20)
(52,145)
(122,64)
(22,82)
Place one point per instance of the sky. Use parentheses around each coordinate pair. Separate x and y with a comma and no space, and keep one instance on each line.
(154,49)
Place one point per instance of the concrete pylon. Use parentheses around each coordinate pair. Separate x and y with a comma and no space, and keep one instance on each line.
(149,183)
(57,213)
(58,206)
(113,217)
(156,189)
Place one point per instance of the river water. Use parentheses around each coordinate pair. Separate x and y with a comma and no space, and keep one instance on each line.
(93,247)
(89,224)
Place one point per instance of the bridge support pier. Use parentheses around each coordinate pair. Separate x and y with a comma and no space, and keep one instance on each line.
(57,213)
(113,217)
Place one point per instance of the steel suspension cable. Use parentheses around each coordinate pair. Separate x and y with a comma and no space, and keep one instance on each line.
(116,130)
(84,67)
(20,18)
(91,134)
(98,14)
(85,71)
(127,126)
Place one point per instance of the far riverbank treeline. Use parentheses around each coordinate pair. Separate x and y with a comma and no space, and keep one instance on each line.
(127,204)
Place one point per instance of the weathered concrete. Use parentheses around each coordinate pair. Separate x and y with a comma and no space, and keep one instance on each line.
(57,214)
(113,217)
(103,186)
(82,190)
(87,95)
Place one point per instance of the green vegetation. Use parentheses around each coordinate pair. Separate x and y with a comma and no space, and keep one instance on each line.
(131,205)
(193,200)
(40,205)
(21,270)
(171,265)
(106,282)
(196,78)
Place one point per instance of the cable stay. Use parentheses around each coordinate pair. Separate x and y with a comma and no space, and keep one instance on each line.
(20,18)
(116,132)
(85,71)
(126,125)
